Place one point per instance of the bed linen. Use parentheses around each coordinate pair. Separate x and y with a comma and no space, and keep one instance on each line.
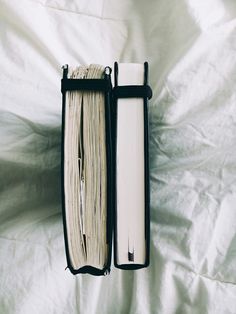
(191,49)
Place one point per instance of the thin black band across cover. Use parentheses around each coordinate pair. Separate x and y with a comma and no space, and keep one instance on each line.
(135,91)
(102,85)
(132,91)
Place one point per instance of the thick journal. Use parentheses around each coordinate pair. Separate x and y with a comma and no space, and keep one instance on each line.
(86,168)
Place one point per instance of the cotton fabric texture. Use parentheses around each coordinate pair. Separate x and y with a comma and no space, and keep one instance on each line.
(190,46)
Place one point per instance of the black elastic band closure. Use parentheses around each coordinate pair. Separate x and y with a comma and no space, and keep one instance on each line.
(101,85)
(132,91)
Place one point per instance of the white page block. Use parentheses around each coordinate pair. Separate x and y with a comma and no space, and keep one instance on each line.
(130,170)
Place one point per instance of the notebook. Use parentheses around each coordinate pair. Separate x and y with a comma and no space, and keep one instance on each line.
(86,164)
(131,224)
(105,175)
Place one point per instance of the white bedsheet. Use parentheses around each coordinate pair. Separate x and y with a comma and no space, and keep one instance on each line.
(191,49)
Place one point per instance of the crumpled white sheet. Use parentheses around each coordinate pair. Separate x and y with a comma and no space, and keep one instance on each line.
(191,49)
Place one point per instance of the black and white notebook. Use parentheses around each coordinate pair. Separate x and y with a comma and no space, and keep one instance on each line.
(105,175)
(131,224)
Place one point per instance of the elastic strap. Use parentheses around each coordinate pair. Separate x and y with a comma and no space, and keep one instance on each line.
(132,91)
(101,85)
